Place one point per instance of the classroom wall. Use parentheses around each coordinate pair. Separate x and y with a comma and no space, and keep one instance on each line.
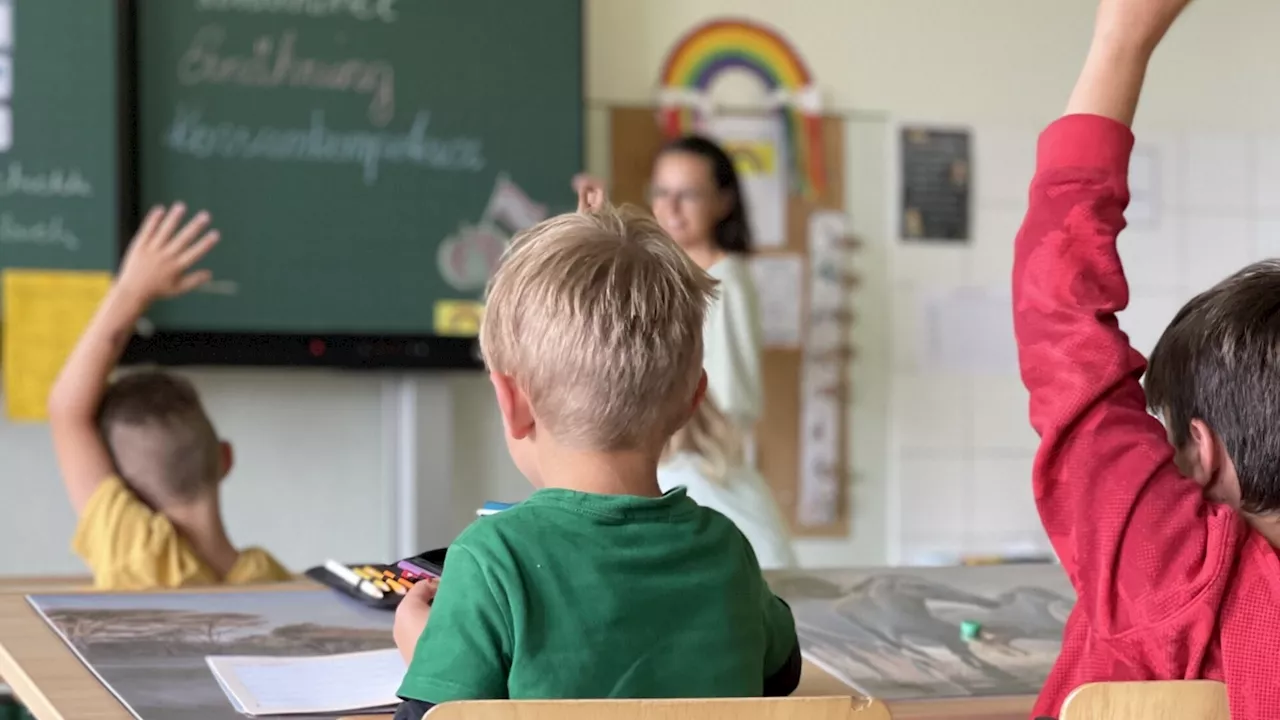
(312,478)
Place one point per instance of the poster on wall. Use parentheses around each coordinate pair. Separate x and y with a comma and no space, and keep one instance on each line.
(780,287)
(758,147)
(726,45)
(935,171)
(823,385)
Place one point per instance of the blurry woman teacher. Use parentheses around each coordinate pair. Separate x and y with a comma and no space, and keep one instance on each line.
(696,197)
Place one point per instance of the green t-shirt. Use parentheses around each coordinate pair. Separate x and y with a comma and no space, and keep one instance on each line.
(576,595)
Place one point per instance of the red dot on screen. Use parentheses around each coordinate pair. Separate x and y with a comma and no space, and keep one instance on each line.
(317,348)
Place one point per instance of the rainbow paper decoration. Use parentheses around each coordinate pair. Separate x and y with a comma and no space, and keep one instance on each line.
(727,44)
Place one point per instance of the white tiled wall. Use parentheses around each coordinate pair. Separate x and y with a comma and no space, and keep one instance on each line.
(961,447)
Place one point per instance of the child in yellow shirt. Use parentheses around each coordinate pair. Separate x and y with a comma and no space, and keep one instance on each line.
(139,456)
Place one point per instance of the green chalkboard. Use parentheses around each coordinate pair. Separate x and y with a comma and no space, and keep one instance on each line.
(59,135)
(364,159)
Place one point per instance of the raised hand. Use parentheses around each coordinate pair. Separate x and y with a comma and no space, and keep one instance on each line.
(591,195)
(159,260)
(1136,24)
(1125,34)
(157,264)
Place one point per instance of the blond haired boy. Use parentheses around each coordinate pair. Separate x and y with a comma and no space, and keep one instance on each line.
(139,456)
(599,585)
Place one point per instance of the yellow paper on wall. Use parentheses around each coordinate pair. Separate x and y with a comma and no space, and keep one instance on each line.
(752,157)
(44,314)
(458,318)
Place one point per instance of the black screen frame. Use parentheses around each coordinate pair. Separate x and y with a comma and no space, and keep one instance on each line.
(351,351)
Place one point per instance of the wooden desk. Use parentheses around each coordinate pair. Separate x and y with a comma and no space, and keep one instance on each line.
(24,584)
(48,678)
(42,671)
(34,584)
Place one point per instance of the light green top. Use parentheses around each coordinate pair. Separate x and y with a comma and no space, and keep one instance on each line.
(744,497)
(575,595)
(733,342)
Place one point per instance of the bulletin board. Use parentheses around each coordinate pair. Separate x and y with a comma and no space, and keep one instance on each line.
(635,139)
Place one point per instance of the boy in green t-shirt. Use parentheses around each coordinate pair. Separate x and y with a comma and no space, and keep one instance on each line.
(598,585)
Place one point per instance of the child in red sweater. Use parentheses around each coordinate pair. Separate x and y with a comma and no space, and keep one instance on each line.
(1169,537)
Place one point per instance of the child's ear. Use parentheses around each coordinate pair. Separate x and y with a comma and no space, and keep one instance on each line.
(1202,454)
(226,458)
(699,393)
(517,415)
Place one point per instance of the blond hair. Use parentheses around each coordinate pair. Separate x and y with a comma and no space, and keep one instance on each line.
(598,316)
(712,438)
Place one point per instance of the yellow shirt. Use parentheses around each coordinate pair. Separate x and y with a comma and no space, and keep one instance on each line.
(129,546)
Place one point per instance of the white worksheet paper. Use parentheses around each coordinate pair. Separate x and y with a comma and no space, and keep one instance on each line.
(780,289)
(310,685)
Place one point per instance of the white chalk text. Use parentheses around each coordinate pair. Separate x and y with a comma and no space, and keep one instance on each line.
(54,183)
(51,232)
(274,62)
(190,134)
(366,10)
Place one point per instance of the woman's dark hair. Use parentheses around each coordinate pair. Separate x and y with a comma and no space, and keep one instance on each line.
(733,234)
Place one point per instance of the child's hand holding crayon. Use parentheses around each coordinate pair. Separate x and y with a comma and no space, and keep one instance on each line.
(411,616)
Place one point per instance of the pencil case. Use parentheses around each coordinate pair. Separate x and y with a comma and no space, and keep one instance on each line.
(384,577)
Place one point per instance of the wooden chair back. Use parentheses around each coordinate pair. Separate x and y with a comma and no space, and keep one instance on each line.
(800,708)
(1166,700)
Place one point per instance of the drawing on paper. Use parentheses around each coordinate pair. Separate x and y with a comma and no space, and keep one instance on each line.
(724,45)
(895,635)
(150,649)
(468,258)
(759,151)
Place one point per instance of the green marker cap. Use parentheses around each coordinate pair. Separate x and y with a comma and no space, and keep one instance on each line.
(969,630)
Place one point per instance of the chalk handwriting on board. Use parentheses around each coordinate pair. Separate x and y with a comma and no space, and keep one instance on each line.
(276,62)
(384,10)
(54,183)
(190,134)
(45,232)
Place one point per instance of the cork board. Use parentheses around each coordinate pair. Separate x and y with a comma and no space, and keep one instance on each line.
(635,138)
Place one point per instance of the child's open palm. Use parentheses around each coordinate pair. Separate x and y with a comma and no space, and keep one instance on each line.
(159,260)
(1139,22)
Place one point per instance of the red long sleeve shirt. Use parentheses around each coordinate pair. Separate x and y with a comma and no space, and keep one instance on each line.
(1169,586)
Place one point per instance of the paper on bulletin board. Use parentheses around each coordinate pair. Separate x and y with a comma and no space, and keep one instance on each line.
(828,281)
(779,283)
(45,312)
(822,386)
(758,147)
